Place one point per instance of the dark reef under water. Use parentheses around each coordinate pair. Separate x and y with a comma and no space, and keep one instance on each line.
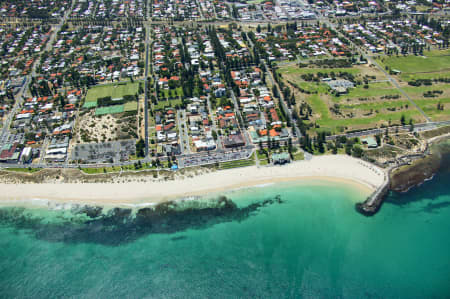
(123,225)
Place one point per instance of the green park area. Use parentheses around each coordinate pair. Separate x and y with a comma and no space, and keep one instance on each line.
(162,104)
(365,106)
(171,93)
(304,70)
(430,107)
(432,65)
(373,90)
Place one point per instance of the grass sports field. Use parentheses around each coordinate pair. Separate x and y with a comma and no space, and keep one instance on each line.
(116,90)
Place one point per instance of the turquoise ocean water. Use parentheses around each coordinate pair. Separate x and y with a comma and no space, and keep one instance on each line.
(280,241)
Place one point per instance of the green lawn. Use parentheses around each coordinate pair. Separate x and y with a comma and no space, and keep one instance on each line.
(166,92)
(297,70)
(374,90)
(333,124)
(116,90)
(109,110)
(433,61)
(418,91)
(298,155)
(416,76)
(263,162)
(130,106)
(377,105)
(319,106)
(313,87)
(429,106)
(166,104)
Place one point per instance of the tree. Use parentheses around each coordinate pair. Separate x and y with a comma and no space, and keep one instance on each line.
(378,138)
(411,125)
(214,134)
(140,146)
(403,120)
(357,151)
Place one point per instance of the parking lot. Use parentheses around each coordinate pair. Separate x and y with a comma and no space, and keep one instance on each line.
(213,157)
(107,152)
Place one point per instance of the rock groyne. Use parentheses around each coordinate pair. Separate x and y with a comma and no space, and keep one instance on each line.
(373,203)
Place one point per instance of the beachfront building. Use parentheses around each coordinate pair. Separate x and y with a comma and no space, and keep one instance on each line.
(281,158)
(370,142)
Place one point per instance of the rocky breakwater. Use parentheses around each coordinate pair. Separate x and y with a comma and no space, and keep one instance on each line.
(373,203)
(410,173)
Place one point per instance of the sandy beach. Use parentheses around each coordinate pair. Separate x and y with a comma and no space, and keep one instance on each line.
(337,167)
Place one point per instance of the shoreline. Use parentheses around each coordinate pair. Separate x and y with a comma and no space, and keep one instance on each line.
(338,168)
(406,177)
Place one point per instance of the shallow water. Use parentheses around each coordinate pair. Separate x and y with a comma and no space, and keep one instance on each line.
(285,240)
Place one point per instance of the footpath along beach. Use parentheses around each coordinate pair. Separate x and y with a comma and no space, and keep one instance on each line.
(337,167)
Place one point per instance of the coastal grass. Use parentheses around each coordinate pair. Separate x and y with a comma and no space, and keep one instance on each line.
(436,132)
(263,162)
(238,163)
(299,155)
(115,169)
(26,170)
(116,90)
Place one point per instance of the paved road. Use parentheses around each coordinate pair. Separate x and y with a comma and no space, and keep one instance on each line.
(417,127)
(205,158)
(288,111)
(214,126)
(238,111)
(147,45)
(181,129)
